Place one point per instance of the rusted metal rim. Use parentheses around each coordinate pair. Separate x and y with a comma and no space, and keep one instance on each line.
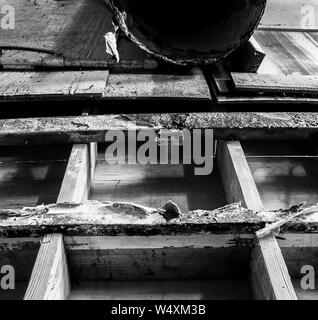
(205,60)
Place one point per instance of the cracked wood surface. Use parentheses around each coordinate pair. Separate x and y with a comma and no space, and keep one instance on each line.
(227,126)
(94,218)
(40,84)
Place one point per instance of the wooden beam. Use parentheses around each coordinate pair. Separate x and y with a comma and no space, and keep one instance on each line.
(29,85)
(78,175)
(139,86)
(108,218)
(226,125)
(160,257)
(50,277)
(252,82)
(237,178)
(269,275)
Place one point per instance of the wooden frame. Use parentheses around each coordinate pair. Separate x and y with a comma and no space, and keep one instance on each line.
(50,278)
(94,230)
(269,275)
(237,178)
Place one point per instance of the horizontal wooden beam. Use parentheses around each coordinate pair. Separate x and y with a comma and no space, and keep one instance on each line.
(50,277)
(174,257)
(28,85)
(227,126)
(236,176)
(252,82)
(270,279)
(109,218)
(134,86)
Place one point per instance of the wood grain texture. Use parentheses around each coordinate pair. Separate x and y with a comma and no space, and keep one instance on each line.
(270,279)
(237,179)
(50,278)
(178,257)
(252,82)
(153,184)
(53,84)
(288,52)
(299,250)
(238,126)
(77,179)
(132,86)
(285,173)
(31,175)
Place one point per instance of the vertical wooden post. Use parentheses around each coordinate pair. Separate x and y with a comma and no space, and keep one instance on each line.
(50,277)
(236,176)
(270,279)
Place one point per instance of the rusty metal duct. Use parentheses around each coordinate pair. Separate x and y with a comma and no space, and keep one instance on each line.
(201,33)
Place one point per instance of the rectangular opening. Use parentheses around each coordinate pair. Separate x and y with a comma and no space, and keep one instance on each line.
(31,175)
(300,252)
(158,267)
(285,172)
(154,184)
(19,253)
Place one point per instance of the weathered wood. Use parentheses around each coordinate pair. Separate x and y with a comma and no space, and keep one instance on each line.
(238,126)
(133,86)
(50,278)
(288,52)
(252,82)
(23,64)
(237,179)
(31,176)
(78,175)
(175,257)
(152,184)
(285,174)
(95,218)
(269,275)
(20,253)
(265,100)
(299,250)
(21,85)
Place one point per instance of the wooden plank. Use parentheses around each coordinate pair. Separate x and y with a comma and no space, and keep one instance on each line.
(299,250)
(152,184)
(263,99)
(281,84)
(237,179)
(174,257)
(269,275)
(288,52)
(50,278)
(226,125)
(95,218)
(78,175)
(31,176)
(285,174)
(53,84)
(132,86)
